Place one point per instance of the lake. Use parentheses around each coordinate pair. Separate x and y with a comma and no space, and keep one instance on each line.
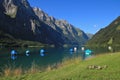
(51,56)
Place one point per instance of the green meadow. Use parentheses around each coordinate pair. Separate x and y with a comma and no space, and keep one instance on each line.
(76,69)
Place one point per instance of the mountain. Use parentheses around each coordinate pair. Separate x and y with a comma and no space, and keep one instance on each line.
(90,35)
(109,35)
(19,20)
(70,34)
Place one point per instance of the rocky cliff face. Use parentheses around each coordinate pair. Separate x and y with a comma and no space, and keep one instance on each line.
(70,34)
(18,19)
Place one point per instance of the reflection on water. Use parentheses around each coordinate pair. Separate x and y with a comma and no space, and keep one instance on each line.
(41,57)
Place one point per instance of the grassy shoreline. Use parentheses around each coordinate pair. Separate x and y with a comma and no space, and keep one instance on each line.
(75,69)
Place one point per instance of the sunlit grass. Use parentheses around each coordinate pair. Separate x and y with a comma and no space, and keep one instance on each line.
(11,70)
(7,72)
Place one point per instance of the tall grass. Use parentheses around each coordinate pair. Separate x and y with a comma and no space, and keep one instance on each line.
(11,70)
(33,69)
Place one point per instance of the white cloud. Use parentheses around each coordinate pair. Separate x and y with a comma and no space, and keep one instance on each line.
(95,25)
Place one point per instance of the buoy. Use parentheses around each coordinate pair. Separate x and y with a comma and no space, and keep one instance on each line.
(88,52)
(82,48)
(75,49)
(42,51)
(27,52)
(13,54)
(71,50)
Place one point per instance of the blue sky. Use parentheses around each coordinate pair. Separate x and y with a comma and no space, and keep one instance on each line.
(88,15)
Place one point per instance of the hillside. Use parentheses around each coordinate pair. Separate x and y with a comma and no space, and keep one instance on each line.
(77,70)
(19,20)
(6,40)
(109,35)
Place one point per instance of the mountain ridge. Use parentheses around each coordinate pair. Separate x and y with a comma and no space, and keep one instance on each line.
(61,26)
(108,36)
(20,20)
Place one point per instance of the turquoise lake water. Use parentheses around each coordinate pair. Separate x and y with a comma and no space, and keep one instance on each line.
(51,56)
